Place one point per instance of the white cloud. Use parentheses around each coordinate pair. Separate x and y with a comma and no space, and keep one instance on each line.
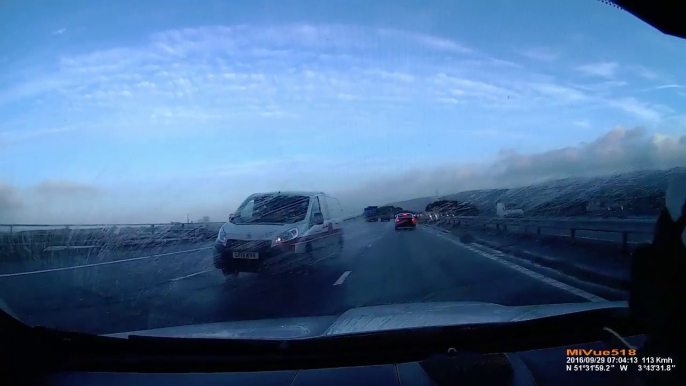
(643,111)
(602,69)
(582,123)
(59,31)
(618,150)
(214,76)
(558,92)
(667,86)
(63,201)
(292,86)
(644,72)
(452,101)
(541,54)
(14,136)
(64,188)
(601,87)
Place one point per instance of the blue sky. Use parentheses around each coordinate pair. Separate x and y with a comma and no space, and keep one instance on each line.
(121,111)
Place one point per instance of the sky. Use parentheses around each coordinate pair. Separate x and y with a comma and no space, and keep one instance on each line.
(150,111)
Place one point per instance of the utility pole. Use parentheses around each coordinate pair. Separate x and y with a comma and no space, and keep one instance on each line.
(188,221)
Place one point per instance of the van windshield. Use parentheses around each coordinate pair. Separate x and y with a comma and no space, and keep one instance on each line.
(280,209)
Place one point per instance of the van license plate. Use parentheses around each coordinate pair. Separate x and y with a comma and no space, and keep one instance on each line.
(246,255)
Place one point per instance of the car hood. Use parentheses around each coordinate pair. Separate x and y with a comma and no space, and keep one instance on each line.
(374,319)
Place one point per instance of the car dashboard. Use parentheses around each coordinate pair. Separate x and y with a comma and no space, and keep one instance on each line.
(538,367)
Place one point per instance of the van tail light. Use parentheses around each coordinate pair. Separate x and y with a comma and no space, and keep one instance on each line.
(397,220)
(414,220)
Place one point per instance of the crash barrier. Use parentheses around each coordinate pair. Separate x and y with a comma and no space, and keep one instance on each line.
(34,239)
(571,226)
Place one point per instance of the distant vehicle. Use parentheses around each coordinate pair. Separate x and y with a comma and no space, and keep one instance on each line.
(371,213)
(385,213)
(280,227)
(503,212)
(405,221)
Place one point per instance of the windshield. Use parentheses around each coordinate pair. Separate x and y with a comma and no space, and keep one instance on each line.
(272,209)
(176,163)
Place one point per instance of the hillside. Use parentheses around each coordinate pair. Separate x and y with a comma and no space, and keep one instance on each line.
(415,205)
(628,194)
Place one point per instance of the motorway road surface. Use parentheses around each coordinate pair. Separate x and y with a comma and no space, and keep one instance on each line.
(179,285)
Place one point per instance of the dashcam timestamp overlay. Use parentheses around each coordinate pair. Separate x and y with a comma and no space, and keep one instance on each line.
(616,360)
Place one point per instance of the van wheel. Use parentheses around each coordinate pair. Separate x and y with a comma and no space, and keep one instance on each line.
(308,248)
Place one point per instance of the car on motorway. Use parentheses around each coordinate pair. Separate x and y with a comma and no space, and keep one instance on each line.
(269,229)
(371,213)
(405,221)
(385,213)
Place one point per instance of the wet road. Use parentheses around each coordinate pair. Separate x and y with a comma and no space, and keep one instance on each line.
(179,285)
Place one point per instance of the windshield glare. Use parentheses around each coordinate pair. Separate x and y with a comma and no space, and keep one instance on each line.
(272,209)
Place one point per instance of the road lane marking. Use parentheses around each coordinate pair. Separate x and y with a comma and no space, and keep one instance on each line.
(65,247)
(322,258)
(191,275)
(342,278)
(545,279)
(496,256)
(103,263)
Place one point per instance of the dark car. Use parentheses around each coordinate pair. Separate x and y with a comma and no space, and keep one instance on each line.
(371,213)
(405,221)
(385,213)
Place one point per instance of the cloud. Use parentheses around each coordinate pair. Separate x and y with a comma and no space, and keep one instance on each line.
(602,69)
(65,189)
(558,92)
(644,72)
(59,31)
(225,76)
(582,123)
(221,75)
(472,88)
(601,87)
(282,90)
(12,137)
(618,150)
(541,54)
(10,201)
(666,86)
(431,42)
(639,109)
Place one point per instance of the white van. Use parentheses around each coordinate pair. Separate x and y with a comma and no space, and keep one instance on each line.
(271,228)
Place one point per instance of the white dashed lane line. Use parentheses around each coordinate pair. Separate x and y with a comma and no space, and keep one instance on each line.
(342,278)
(191,275)
(325,257)
(496,256)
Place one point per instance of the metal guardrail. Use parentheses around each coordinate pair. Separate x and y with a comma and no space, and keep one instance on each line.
(625,227)
(34,239)
(12,228)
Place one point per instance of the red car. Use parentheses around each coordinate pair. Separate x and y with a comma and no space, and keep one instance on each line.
(405,221)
